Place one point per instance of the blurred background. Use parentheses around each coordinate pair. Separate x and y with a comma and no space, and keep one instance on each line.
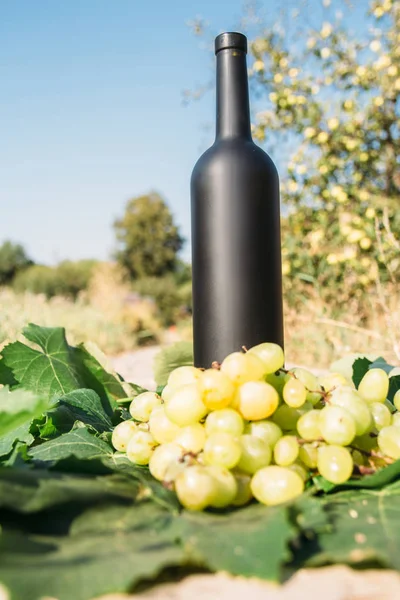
(105,108)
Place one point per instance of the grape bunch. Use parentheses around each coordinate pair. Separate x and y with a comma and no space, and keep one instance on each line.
(248,428)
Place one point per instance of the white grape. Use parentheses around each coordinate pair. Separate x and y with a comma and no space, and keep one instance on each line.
(140,447)
(349,399)
(244,493)
(335,463)
(226,486)
(191,438)
(141,406)
(286,450)
(270,354)
(256,453)
(217,389)
(294,393)
(185,406)
(333,380)
(222,449)
(122,434)
(225,420)
(309,380)
(308,426)
(389,441)
(337,425)
(396,400)
(381,415)
(275,485)
(266,430)
(374,386)
(256,400)
(183,376)
(166,462)
(195,487)
(162,429)
(240,367)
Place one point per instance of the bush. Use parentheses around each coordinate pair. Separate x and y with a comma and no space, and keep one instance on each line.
(13,260)
(67,279)
(166,295)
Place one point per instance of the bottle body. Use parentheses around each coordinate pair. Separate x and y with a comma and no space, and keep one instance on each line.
(236,255)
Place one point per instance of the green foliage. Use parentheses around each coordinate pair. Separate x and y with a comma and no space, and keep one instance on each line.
(171,357)
(13,260)
(166,295)
(66,279)
(79,520)
(149,241)
(337,98)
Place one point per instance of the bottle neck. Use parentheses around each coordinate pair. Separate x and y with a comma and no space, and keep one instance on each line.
(233,111)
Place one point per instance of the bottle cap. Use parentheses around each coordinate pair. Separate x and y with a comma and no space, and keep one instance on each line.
(231,39)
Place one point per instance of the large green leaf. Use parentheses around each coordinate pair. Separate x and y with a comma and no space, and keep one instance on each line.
(366,528)
(107,552)
(31,491)
(85,405)
(78,443)
(252,541)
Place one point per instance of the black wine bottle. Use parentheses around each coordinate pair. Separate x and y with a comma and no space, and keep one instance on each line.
(236,254)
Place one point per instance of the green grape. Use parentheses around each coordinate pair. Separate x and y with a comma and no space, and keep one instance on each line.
(268,431)
(276,485)
(191,438)
(166,462)
(241,368)
(308,426)
(286,417)
(226,487)
(167,393)
(256,400)
(335,463)
(217,389)
(310,382)
(300,469)
(358,458)
(277,380)
(141,406)
(308,454)
(183,376)
(122,434)
(389,441)
(225,420)
(244,493)
(140,447)
(185,406)
(333,380)
(374,386)
(337,425)
(349,399)
(365,442)
(396,400)
(381,415)
(270,354)
(396,419)
(161,428)
(222,449)
(294,393)
(255,454)
(286,450)
(195,487)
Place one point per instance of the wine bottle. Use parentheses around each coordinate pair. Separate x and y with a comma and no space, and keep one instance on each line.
(236,255)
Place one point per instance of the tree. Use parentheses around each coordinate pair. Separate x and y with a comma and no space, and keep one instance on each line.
(13,259)
(336,98)
(148,238)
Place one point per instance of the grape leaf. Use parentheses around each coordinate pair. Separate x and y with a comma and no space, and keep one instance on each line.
(82,565)
(31,491)
(252,541)
(366,528)
(78,443)
(85,405)
(168,359)
(360,367)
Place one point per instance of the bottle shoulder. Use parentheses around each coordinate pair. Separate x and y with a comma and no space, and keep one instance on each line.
(231,154)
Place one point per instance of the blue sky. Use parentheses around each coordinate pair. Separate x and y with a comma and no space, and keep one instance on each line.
(91,115)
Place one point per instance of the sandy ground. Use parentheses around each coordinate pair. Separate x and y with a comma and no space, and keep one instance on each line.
(330,583)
